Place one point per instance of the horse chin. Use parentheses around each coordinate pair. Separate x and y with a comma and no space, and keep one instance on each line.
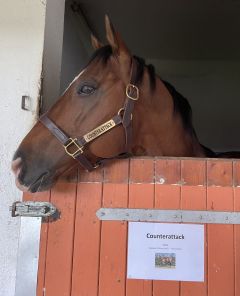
(43,183)
(40,187)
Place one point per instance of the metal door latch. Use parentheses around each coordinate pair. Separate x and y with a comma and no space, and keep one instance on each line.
(33,209)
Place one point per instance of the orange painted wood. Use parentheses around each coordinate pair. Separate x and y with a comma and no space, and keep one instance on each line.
(141,170)
(236,178)
(80,256)
(193,172)
(141,195)
(87,234)
(167,196)
(236,173)
(112,275)
(220,237)
(219,173)
(194,197)
(58,272)
(117,172)
(168,171)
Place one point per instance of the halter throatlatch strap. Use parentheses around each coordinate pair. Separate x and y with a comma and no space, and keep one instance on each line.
(74,147)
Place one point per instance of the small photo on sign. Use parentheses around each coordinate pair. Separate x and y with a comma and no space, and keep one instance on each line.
(165,260)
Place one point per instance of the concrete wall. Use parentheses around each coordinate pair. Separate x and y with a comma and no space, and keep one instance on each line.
(212,88)
(52,59)
(67,48)
(21,42)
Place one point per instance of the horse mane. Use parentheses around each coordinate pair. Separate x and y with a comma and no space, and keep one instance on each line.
(103,54)
(141,65)
(181,104)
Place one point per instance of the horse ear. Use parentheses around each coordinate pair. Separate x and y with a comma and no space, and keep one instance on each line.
(114,39)
(96,44)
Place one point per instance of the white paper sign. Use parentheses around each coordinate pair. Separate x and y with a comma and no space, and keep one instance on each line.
(160,251)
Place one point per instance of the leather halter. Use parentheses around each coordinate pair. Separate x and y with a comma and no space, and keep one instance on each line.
(74,147)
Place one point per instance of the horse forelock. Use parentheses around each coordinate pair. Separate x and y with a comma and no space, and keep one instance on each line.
(104,53)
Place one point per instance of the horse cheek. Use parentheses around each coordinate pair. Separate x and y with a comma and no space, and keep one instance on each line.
(110,144)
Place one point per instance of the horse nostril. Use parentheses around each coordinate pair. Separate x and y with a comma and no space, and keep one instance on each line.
(16,166)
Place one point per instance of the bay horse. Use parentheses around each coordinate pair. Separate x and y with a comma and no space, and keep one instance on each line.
(116,107)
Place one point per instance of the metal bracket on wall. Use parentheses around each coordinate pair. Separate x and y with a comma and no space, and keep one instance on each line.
(177,216)
(26,103)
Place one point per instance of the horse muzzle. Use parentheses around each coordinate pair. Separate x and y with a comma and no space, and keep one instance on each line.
(42,182)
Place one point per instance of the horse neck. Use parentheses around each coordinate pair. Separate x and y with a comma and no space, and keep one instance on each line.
(158,130)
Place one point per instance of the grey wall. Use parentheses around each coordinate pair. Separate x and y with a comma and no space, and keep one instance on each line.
(76,44)
(52,56)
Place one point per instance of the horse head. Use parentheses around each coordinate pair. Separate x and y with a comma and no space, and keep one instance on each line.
(114,95)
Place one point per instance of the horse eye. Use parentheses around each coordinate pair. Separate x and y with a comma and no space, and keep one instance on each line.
(86,90)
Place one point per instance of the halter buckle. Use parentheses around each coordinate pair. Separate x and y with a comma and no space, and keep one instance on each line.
(73,142)
(132,92)
(121,112)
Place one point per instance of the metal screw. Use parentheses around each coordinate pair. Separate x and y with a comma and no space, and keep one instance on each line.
(161,181)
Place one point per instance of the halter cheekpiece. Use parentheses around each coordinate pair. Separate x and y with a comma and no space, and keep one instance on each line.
(74,147)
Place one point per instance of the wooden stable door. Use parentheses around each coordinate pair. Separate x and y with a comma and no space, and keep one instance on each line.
(82,256)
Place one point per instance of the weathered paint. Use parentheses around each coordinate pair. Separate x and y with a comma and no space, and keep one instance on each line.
(21,39)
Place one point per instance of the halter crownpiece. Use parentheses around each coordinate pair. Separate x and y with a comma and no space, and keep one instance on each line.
(74,147)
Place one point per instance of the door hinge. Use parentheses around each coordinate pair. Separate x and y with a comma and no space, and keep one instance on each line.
(33,209)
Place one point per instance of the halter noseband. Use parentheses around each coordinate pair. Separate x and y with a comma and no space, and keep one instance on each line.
(74,147)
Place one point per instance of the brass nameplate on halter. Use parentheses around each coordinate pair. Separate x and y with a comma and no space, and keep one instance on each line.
(99,130)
